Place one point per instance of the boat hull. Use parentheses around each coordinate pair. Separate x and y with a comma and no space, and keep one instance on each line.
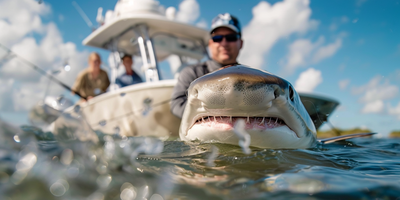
(138,110)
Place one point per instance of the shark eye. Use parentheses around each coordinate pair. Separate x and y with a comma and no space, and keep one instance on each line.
(291,93)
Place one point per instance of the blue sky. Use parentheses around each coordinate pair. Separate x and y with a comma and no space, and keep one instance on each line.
(345,49)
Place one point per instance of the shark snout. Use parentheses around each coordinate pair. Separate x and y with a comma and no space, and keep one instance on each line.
(238,94)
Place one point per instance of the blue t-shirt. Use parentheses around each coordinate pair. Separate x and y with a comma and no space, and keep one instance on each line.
(125,80)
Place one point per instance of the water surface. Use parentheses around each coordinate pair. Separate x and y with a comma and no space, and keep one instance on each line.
(39,165)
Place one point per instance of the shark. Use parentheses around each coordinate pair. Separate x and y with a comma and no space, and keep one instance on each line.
(271,109)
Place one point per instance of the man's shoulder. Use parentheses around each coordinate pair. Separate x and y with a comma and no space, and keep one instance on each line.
(83,72)
(197,65)
(102,71)
(194,67)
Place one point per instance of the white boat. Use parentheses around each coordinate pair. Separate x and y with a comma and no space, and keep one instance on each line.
(140,28)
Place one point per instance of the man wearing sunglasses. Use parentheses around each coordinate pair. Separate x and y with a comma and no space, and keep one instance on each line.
(224,45)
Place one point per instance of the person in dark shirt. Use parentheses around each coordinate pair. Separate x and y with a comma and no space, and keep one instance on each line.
(130,77)
(224,45)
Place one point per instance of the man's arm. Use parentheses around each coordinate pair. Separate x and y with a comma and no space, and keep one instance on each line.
(179,96)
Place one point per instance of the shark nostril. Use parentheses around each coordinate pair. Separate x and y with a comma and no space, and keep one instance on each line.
(196,93)
(276,93)
(291,93)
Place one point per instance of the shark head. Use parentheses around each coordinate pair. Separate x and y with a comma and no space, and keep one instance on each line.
(274,114)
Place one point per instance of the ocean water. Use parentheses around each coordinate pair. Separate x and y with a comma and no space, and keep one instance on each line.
(38,165)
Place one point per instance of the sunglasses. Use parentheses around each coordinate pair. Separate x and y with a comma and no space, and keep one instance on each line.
(229,38)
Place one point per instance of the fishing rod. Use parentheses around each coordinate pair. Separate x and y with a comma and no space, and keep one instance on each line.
(43,72)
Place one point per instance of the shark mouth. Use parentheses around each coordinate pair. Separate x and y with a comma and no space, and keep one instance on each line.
(228,122)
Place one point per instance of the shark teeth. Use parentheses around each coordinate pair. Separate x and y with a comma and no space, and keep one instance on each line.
(261,121)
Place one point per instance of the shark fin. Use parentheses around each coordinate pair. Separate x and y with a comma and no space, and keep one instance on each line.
(344,137)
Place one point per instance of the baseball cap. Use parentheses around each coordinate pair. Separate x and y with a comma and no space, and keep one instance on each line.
(228,21)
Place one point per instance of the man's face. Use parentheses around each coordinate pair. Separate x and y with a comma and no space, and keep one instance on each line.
(94,61)
(224,52)
(127,61)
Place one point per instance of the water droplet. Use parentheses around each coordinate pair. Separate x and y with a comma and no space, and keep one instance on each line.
(156,197)
(97,91)
(55,158)
(26,162)
(93,158)
(145,192)
(104,180)
(16,139)
(18,177)
(96,196)
(147,101)
(213,155)
(108,138)
(102,122)
(73,172)
(128,193)
(244,137)
(59,188)
(67,156)
(102,169)
(146,106)
(77,108)
(116,130)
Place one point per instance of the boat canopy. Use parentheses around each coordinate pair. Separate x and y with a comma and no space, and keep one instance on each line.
(145,29)
(120,26)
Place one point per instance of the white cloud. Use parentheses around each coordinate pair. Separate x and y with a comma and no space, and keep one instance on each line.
(338,22)
(303,52)
(189,11)
(327,51)
(61,18)
(202,23)
(26,86)
(360,2)
(344,19)
(20,18)
(299,53)
(271,23)
(308,80)
(333,27)
(344,83)
(373,107)
(374,93)
(375,90)
(394,110)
